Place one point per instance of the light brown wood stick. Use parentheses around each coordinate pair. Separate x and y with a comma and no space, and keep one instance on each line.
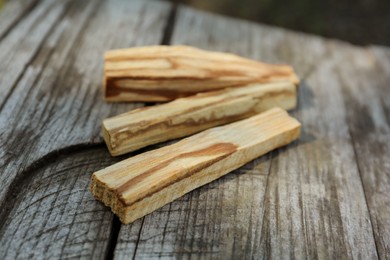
(145,126)
(163,73)
(148,181)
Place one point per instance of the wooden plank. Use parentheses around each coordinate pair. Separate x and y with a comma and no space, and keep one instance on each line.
(56,105)
(303,209)
(141,184)
(10,122)
(367,93)
(309,210)
(185,116)
(13,12)
(20,46)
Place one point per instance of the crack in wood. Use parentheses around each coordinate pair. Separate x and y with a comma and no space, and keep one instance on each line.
(115,228)
(168,30)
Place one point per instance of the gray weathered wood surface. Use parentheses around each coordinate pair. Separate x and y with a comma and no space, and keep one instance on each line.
(325,196)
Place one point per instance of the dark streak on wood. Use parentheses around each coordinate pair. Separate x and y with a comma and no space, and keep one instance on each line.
(17,15)
(222,149)
(115,90)
(164,95)
(167,35)
(32,57)
(205,74)
(370,131)
(116,226)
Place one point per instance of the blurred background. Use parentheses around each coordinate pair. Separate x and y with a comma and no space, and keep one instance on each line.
(360,22)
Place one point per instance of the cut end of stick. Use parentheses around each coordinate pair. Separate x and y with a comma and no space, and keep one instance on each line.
(107,139)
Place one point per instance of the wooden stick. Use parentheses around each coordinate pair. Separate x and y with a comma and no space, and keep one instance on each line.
(182,117)
(143,183)
(163,73)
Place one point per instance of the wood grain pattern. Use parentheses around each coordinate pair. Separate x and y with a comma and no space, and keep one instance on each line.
(145,126)
(320,219)
(59,60)
(19,46)
(224,218)
(12,13)
(198,224)
(53,214)
(366,91)
(325,196)
(55,105)
(303,209)
(141,184)
(162,73)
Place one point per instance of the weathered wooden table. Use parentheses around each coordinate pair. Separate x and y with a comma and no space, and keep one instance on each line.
(325,196)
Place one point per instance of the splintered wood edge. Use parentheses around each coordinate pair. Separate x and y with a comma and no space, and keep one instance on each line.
(142,127)
(107,140)
(227,158)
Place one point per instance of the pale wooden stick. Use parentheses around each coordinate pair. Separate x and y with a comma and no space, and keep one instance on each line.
(182,117)
(163,73)
(148,181)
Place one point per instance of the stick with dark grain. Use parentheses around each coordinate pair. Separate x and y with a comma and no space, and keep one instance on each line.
(163,73)
(182,117)
(143,183)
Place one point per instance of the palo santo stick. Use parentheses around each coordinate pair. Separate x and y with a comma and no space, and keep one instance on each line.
(143,183)
(163,73)
(145,126)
